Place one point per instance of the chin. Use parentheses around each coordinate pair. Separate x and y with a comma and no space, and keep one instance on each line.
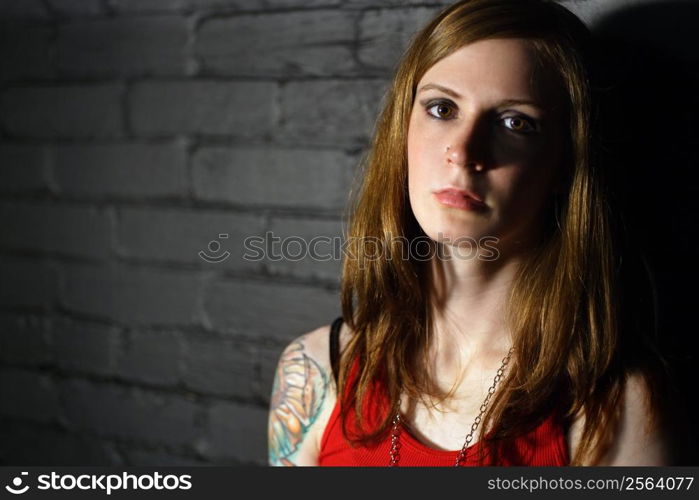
(450,235)
(448,225)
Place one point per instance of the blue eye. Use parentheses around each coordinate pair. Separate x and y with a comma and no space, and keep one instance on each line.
(520,124)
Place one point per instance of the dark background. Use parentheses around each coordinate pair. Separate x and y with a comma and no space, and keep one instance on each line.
(134,132)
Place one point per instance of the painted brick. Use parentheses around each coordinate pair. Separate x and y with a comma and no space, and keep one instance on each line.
(148,6)
(268,310)
(236,432)
(220,367)
(124,46)
(142,6)
(27,283)
(84,347)
(133,295)
(306,248)
(212,6)
(301,3)
(121,170)
(46,227)
(384,34)
(149,458)
(23,340)
(152,357)
(209,238)
(240,109)
(76,8)
(25,50)
(69,111)
(23,9)
(331,112)
(28,394)
(304,43)
(23,168)
(27,444)
(273,176)
(391,3)
(129,413)
(592,11)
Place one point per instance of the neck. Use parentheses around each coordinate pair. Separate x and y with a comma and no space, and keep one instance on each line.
(468,302)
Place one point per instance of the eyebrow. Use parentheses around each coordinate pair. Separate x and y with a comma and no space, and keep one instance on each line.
(456,95)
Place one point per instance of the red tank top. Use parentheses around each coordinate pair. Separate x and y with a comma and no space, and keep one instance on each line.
(545,445)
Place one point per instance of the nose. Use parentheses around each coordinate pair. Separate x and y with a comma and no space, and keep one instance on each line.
(466,146)
(459,157)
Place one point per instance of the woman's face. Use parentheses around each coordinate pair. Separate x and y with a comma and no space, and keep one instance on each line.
(485,122)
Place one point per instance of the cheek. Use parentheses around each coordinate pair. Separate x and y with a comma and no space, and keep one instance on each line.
(523,188)
(533,168)
(418,158)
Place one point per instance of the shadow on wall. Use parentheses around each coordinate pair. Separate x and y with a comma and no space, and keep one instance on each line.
(649,134)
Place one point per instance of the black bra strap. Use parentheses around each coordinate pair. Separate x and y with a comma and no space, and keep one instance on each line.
(335,347)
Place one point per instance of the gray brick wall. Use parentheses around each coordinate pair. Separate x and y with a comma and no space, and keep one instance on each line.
(133,134)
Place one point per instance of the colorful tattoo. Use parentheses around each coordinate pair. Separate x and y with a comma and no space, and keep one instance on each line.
(298,394)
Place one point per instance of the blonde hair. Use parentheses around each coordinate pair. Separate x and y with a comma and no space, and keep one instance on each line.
(564,305)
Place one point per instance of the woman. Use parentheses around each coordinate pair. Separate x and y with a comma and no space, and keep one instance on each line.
(481,290)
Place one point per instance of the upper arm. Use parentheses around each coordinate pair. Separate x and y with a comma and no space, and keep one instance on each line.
(638,439)
(302,395)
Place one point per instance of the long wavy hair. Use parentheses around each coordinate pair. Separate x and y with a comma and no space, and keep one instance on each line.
(573,347)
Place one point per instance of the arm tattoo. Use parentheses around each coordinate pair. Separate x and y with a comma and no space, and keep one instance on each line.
(298,394)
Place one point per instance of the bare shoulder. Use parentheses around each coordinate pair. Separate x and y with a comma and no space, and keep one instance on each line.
(303,397)
(317,343)
(639,440)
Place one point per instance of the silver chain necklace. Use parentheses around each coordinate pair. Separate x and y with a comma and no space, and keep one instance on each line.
(395,432)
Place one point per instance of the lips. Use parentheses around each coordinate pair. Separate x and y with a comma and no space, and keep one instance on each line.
(461,192)
(460,199)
